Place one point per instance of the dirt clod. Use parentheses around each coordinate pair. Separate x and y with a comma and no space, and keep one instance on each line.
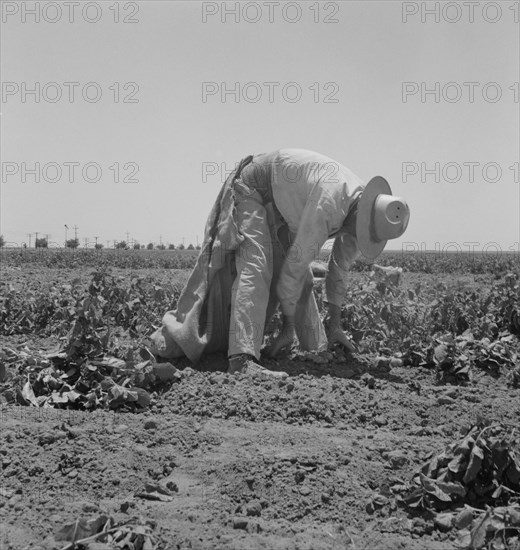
(239,523)
(253,508)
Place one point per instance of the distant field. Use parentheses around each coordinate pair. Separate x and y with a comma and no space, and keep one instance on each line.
(106,257)
(420,262)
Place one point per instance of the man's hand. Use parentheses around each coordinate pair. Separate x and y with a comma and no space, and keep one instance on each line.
(285,339)
(337,336)
(334,334)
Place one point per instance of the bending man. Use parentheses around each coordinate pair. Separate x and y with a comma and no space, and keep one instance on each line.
(270,221)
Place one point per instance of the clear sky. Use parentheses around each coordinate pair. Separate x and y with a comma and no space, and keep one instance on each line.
(182,143)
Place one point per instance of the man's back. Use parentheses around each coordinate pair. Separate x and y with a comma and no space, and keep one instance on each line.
(300,176)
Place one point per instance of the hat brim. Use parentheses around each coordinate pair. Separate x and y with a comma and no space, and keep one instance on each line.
(368,246)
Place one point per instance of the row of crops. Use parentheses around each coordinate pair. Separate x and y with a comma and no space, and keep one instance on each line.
(473,326)
(496,262)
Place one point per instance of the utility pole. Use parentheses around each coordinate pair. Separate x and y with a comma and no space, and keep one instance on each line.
(66,227)
(29,235)
(76,232)
(96,240)
(127,237)
(86,242)
(36,239)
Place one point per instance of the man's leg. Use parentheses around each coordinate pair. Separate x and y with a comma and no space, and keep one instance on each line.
(250,292)
(309,328)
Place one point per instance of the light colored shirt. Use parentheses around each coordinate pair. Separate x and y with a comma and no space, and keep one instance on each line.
(314,194)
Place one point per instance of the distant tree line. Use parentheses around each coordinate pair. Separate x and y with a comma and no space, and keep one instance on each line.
(160,246)
(122,245)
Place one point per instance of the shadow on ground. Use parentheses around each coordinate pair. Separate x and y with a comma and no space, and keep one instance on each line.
(354,367)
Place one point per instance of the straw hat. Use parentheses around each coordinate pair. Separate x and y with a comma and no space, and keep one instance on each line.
(380,217)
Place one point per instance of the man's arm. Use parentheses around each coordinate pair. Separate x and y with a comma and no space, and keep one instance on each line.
(312,234)
(344,253)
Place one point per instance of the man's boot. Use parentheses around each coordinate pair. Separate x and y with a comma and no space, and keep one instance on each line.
(245,363)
